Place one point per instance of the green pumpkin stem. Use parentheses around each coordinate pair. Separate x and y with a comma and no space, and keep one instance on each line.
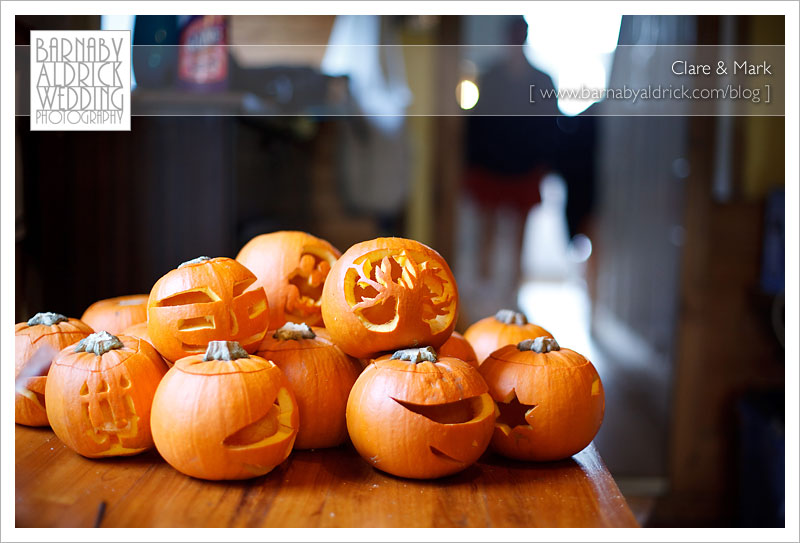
(509,316)
(542,344)
(98,343)
(224,350)
(48,319)
(416,355)
(294,331)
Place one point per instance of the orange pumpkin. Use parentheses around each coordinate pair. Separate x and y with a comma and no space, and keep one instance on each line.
(507,327)
(551,400)
(458,347)
(224,415)
(99,394)
(292,267)
(203,300)
(36,342)
(389,293)
(415,415)
(140,331)
(116,314)
(321,377)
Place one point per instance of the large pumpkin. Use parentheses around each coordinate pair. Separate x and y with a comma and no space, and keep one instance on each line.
(321,377)
(224,415)
(99,393)
(204,300)
(114,315)
(292,267)
(551,400)
(36,342)
(458,347)
(389,293)
(414,415)
(505,328)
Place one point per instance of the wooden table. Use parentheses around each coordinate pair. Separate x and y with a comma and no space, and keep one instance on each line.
(55,487)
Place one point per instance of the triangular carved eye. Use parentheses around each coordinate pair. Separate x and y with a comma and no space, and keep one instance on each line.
(193,296)
(241,286)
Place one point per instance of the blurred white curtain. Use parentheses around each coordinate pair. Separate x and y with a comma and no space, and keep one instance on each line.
(357,49)
(374,161)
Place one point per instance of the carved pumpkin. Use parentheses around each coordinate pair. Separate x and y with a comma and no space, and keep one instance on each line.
(203,300)
(551,400)
(458,347)
(140,331)
(116,314)
(292,267)
(36,342)
(224,415)
(321,377)
(414,415)
(99,394)
(507,327)
(389,293)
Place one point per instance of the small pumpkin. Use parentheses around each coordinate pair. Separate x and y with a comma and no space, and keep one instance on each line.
(321,377)
(414,414)
(291,267)
(507,327)
(114,315)
(140,331)
(99,393)
(458,347)
(551,400)
(203,300)
(36,342)
(389,293)
(224,415)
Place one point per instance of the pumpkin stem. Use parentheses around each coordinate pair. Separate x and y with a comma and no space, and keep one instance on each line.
(224,350)
(295,331)
(509,316)
(542,344)
(195,261)
(48,319)
(417,355)
(98,343)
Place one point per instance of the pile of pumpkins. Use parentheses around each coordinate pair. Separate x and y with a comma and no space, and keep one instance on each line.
(229,364)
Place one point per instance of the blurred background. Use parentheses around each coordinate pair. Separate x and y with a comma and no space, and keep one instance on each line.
(652,244)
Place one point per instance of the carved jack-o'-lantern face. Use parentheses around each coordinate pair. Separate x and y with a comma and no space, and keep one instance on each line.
(551,400)
(36,342)
(415,415)
(203,300)
(99,394)
(248,423)
(389,293)
(292,268)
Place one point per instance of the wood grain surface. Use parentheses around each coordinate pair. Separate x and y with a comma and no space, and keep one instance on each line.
(55,487)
